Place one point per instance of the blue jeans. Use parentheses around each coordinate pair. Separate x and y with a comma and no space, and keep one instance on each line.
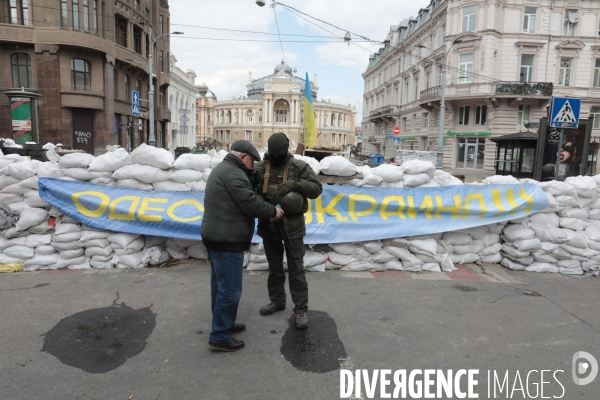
(225,292)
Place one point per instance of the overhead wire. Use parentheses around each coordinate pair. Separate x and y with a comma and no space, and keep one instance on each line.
(280,43)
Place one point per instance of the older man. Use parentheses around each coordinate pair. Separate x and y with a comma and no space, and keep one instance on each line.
(231,206)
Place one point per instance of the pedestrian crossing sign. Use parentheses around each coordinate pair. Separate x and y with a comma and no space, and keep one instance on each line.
(565,112)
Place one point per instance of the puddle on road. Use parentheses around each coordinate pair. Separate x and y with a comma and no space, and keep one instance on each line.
(317,349)
(101,339)
(465,288)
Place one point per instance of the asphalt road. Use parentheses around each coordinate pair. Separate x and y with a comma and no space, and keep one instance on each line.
(143,333)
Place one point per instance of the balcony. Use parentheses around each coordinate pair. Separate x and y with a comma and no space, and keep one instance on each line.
(511,89)
(431,94)
(384,113)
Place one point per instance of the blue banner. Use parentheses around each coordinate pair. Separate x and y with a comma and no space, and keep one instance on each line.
(340,214)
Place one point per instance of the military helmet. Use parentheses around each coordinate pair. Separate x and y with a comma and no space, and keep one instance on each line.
(291,203)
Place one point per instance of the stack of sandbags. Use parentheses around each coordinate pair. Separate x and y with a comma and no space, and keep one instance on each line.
(128,250)
(369,179)
(419,173)
(391,175)
(97,247)
(337,165)
(66,241)
(33,251)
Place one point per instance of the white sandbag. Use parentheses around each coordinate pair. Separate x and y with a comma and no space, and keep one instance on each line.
(356,266)
(476,232)
(512,251)
(546,219)
(457,239)
(7,180)
(593,232)
(75,160)
(70,262)
(71,253)
(171,186)
(412,265)
(369,179)
(361,253)
(197,251)
(500,180)
(142,173)
(399,252)
(185,175)
(584,185)
(15,188)
(340,259)
(426,247)
(23,169)
(177,253)
(432,267)
(18,207)
(162,258)
(101,263)
(373,246)
(87,235)
(344,248)
(257,248)
(574,224)
(574,212)
(429,259)
(415,167)
(490,239)
(578,239)
(464,258)
(314,164)
(415,180)
(98,251)
(546,258)
(206,174)
(32,217)
(153,156)
(254,266)
(4,259)
(123,240)
(63,228)
(37,240)
(512,265)
(337,165)
(216,160)
(154,241)
(198,162)
(312,258)
(21,252)
(542,267)
(84,174)
(594,214)
(49,170)
(491,250)
(110,161)
(528,244)
(331,266)
(382,257)
(42,228)
(67,237)
(97,243)
(135,260)
(134,184)
(104,181)
(446,264)
(445,179)
(492,259)
(395,265)
(518,232)
(568,264)
(197,186)
(577,251)
(44,250)
(34,200)
(46,260)
(389,173)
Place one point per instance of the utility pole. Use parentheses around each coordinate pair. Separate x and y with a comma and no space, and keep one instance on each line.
(549,40)
(151,137)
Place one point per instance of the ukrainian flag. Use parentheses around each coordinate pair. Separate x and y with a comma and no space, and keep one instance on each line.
(310,129)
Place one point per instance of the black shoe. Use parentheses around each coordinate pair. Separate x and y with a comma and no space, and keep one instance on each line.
(270,309)
(302,320)
(232,345)
(237,328)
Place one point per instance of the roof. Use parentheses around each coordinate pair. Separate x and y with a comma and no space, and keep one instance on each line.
(517,136)
(256,87)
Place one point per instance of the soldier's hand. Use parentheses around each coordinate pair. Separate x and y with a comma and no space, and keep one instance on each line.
(287,187)
(279,213)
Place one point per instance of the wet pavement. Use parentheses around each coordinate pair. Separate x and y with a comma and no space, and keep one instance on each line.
(112,334)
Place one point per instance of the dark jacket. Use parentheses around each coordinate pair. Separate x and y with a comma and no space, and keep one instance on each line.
(310,187)
(230,207)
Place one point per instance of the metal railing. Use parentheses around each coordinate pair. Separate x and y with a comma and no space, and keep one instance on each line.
(386,110)
(433,93)
(525,88)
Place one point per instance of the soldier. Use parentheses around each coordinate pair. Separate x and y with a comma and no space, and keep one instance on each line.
(282,177)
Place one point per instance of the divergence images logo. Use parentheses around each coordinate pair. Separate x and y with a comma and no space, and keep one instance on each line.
(581,367)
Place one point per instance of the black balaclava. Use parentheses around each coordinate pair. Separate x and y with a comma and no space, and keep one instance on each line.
(278,145)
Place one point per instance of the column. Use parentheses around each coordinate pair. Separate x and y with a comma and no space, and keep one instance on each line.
(264,111)
(254,116)
(297,111)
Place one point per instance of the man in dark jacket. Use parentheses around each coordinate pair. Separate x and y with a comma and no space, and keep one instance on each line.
(231,206)
(277,176)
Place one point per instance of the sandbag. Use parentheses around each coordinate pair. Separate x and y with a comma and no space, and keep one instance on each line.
(153,156)
(512,265)
(99,251)
(198,162)
(84,174)
(389,173)
(21,252)
(344,248)
(123,240)
(382,257)
(134,184)
(528,245)
(415,167)
(373,246)
(47,260)
(171,186)
(110,161)
(62,246)
(44,250)
(64,263)
(197,186)
(49,170)
(395,265)
(135,260)
(18,207)
(142,173)
(415,180)
(337,165)
(75,160)
(7,180)
(457,239)
(32,217)
(67,237)
(312,258)
(185,176)
(22,170)
(197,251)
(518,232)
(464,258)
(542,267)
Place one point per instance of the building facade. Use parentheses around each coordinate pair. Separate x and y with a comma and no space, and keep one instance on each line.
(83,59)
(503,67)
(205,103)
(275,103)
(182,101)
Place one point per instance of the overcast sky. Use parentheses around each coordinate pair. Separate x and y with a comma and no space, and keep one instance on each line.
(224,65)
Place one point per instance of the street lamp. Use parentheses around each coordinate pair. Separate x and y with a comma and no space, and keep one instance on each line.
(151,136)
(440,151)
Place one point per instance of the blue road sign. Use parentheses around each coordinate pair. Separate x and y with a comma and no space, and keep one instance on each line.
(565,112)
(135,103)
(389,135)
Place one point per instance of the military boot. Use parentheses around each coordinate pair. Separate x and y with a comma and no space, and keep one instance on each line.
(270,309)
(302,320)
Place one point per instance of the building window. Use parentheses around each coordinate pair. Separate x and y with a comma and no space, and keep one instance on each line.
(162,64)
(21,70)
(526,74)
(468,18)
(280,115)
(249,136)
(427,79)
(80,75)
(416,88)
(95,16)
(529,19)
(597,73)
(403,126)
(137,39)
(465,67)
(126,80)
(137,4)
(332,138)
(64,14)
(260,119)
(470,153)
(250,120)
(121,30)
(425,120)
(571,19)
(523,115)
(76,14)
(86,16)
(595,112)
(463,115)
(15,12)
(565,71)
(480,115)
(160,25)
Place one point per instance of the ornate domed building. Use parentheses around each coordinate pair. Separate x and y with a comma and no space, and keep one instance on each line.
(275,103)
